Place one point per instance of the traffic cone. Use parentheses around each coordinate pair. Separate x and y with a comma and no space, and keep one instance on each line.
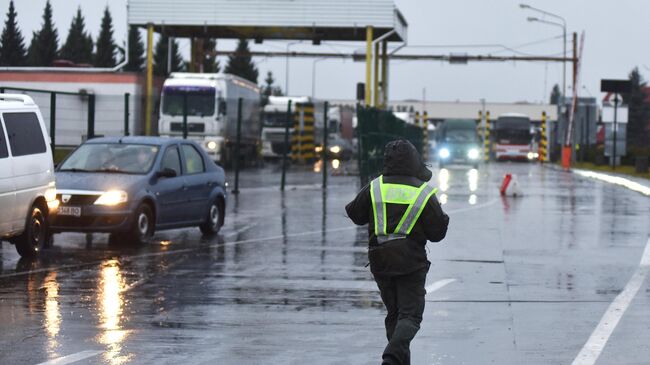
(510,186)
(504,185)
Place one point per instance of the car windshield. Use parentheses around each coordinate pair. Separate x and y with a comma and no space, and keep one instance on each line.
(460,136)
(200,100)
(111,157)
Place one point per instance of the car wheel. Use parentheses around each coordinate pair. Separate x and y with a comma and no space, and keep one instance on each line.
(143,225)
(34,238)
(214,219)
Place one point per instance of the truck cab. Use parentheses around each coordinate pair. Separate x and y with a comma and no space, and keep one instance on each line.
(458,143)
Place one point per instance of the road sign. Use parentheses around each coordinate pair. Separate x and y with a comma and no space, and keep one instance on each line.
(615,86)
(608,114)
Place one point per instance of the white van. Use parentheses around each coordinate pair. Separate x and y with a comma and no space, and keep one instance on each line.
(27,191)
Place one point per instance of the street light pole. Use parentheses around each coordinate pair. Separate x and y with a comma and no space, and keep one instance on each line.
(563,25)
(286,76)
(313,77)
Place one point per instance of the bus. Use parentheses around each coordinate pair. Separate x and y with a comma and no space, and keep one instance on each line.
(513,138)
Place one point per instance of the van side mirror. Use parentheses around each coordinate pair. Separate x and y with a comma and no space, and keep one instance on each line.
(167,172)
(222,107)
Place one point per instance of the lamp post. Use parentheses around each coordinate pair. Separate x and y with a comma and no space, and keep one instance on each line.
(563,25)
(313,77)
(286,80)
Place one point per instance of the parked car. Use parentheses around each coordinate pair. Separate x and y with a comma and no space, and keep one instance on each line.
(27,190)
(132,186)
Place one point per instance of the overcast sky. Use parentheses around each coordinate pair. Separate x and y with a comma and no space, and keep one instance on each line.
(616,40)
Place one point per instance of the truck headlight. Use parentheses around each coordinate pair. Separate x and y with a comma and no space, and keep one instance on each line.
(113,197)
(212,145)
(444,153)
(473,154)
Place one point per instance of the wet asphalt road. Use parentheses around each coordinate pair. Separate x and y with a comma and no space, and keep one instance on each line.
(517,281)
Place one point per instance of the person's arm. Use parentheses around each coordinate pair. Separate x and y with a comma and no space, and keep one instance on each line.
(434,220)
(358,209)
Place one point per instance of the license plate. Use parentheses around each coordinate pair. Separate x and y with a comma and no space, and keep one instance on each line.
(73,211)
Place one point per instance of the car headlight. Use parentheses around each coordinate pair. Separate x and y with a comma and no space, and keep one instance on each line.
(212,145)
(50,198)
(113,197)
(335,149)
(444,153)
(473,154)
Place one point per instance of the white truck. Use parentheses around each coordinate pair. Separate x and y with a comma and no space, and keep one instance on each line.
(212,101)
(275,121)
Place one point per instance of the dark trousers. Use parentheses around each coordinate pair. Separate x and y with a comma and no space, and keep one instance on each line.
(403,297)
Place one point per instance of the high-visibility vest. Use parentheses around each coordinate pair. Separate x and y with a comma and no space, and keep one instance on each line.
(415,197)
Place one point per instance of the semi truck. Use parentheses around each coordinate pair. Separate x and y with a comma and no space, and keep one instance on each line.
(275,122)
(211,104)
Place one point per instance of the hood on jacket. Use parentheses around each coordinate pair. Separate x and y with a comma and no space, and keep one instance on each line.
(401,158)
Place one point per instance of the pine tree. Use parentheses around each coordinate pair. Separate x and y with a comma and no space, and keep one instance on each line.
(241,64)
(78,46)
(269,89)
(136,51)
(12,46)
(160,57)
(210,62)
(45,42)
(556,95)
(639,111)
(105,56)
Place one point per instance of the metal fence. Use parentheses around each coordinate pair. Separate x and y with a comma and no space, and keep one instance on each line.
(374,130)
(73,117)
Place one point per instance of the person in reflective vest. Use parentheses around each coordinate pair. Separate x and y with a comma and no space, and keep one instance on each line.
(402,213)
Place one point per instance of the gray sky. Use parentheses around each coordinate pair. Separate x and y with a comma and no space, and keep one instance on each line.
(616,40)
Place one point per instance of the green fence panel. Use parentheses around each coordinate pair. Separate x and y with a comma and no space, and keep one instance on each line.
(375,129)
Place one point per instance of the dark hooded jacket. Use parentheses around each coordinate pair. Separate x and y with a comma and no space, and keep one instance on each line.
(402,165)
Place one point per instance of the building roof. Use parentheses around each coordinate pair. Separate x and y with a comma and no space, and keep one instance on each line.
(270,19)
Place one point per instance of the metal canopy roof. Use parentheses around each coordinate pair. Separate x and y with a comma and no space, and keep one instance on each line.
(343,20)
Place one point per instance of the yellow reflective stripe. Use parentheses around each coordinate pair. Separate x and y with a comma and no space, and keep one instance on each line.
(399,194)
(374,204)
(410,207)
(424,204)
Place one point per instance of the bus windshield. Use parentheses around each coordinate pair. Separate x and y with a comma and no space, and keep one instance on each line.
(200,100)
(513,130)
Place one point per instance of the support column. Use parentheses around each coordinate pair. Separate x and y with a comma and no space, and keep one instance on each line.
(368,96)
(375,84)
(149,86)
(384,74)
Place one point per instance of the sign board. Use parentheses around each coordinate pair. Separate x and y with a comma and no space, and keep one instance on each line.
(615,86)
(621,114)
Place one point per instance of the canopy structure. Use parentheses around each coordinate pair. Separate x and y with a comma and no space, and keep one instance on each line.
(376,22)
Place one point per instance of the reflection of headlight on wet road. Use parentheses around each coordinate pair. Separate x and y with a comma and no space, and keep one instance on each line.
(443,179)
(472,199)
(472,177)
(444,153)
(472,154)
(336,164)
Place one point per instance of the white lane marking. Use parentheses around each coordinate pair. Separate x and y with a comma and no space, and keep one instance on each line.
(438,285)
(69,359)
(187,250)
(618,180)
(599,337)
